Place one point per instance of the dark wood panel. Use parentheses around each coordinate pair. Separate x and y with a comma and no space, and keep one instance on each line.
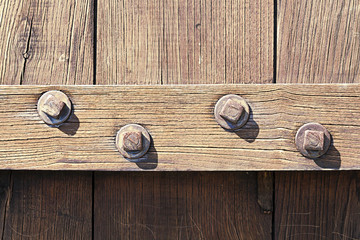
(46,42)
(49,205)
(319,205)
(217,205)
(318,42)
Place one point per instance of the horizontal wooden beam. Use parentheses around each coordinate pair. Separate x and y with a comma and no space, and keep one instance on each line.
(179,118)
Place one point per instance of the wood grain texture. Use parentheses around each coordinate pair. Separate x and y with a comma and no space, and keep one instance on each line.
(5,193)
(49,205)
(181,123)
(265,191)
(159,42)
(186,205)
(185,42)
(46,42)
(318,41)
(317,205)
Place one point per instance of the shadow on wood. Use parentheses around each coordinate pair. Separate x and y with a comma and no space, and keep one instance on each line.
(150,160)
(250,131)
(331,160)
(71,126)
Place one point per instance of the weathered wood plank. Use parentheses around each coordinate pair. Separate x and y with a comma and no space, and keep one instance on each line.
(181,42)
(317,205)
(180,120)
(49,205)
(318,42)
(186,205)
(46,42)
(185,41)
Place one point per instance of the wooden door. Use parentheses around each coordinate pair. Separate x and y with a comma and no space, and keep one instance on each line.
(106,42)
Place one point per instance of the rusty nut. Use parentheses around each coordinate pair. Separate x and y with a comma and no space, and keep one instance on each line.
(133,141)
(231,112)
(312,140)
(54,107)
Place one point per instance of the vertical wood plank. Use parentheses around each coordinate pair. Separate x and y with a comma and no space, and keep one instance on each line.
(46,42)
(317,205)
(318,42)
(185,41)
(163,205)
(49,205)
(182,42)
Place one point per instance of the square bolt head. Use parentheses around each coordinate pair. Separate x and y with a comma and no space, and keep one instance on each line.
(232,111)
(132,141)
(52,106)
(314,140)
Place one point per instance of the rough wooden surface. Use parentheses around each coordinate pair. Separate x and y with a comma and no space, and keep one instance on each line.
(178,206)
(46,42)
(181,123)
(318,42)
(185,42)
(318,205)
(265,191)
(49,205)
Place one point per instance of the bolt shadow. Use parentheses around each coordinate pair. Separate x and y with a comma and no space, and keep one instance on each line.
(149,161)
(250,130)
(71,125)
(330,160)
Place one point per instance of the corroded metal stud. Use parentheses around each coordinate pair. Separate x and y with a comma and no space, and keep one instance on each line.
(54,107)
(231,112)
(133,141)
(312,140)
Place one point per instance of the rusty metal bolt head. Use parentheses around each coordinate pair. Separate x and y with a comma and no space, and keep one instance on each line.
(54,107)
(231,112)
(133,141)
(312,140)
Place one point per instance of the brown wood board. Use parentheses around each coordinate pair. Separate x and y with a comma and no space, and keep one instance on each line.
(317,42)
(181,123)
(185,42)
(181,205)
(182,42)
(46,42)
